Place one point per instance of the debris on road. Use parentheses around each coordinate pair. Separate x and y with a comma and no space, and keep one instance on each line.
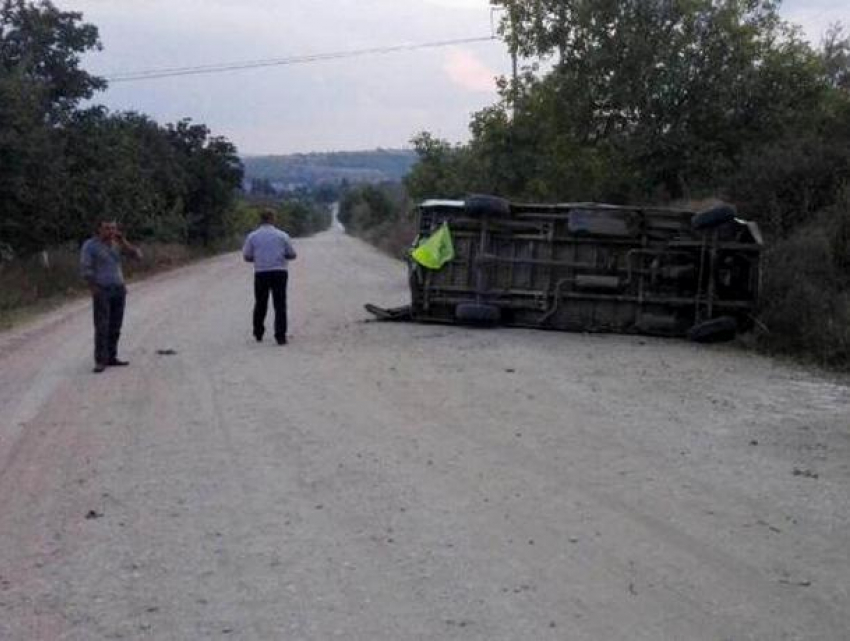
(805,473)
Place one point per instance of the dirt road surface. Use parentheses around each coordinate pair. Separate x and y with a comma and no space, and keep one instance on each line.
(403,482)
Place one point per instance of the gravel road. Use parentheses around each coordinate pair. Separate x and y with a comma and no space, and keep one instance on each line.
(403,482)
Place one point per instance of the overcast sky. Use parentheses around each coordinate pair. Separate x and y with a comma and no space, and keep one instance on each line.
(357,103)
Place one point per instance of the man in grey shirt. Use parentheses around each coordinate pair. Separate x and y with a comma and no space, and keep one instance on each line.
(100,264)
(270,249)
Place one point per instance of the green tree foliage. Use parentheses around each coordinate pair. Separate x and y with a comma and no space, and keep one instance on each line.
(123,166)
(302,218)
(32,175)
(213,173)
(440,169)
(62,168)
(642,101)
(42,45)
(368,206)
(380,214)
(806,298)
(651,100)
(40,84)
(836,57)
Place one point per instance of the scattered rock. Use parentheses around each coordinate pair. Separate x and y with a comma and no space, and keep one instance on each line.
(754,442)
(166,352)
(461,624)
(510,370)
(802,584)
(94,514)
(805,473)
(770,527)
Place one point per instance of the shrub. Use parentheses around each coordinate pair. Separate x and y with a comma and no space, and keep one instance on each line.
(379,214)
(806,295)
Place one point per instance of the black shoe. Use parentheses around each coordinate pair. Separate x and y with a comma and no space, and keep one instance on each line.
(258,337)
(115,362)
(281,341)
(98,368)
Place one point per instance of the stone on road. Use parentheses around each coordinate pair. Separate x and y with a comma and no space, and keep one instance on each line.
(397,482)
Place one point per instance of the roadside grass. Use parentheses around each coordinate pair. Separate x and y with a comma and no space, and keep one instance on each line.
(805,302)
(394,237)
(40,283)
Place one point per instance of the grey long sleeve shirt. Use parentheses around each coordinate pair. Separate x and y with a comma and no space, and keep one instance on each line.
(100,263)
(269,248)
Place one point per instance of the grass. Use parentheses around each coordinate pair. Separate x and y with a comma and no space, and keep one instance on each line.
(393,238)
(40,283)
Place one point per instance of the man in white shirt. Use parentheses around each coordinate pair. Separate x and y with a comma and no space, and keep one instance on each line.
(270,249)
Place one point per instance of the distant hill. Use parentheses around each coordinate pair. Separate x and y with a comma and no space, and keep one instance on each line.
(308,170)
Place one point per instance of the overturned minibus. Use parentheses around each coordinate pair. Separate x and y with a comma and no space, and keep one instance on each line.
(588,267)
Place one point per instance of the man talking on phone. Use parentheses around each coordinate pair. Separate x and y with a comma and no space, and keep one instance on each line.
(100,264)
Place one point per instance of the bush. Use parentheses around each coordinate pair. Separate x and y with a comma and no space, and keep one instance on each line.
(55,273)
(806,295)
(379,214)
(394,237)
(297,217)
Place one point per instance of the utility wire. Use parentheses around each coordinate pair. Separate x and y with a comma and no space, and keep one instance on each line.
(152,74)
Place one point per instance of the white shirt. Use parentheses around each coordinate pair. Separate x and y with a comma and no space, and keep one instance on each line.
(269,248)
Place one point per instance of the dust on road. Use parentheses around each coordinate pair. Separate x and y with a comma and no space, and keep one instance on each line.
(394,482)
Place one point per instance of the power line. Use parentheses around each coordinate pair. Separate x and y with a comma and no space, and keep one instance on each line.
(152,74)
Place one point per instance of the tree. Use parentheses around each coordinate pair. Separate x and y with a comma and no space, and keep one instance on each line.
(213,173)
(43,45)
(32,172)
(123,166)
(836,56)
(41,83)
(63,167)
(439,172)
(667,94)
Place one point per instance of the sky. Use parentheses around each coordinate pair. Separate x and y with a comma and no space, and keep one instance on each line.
(346,104)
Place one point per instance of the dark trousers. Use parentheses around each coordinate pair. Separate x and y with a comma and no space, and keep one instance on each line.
(274,282)
(108,305)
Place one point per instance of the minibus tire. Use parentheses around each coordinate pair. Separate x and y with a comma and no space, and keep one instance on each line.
(713,217)
(487,206)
